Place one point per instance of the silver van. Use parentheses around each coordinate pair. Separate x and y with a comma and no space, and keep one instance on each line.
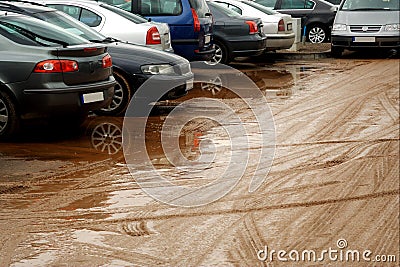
(366,24)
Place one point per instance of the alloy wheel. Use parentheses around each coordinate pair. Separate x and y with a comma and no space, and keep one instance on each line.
(4,116)
(317,35)
(117,98)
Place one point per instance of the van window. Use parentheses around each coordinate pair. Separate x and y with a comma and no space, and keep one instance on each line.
(160,8)
(200,6)
(371,5)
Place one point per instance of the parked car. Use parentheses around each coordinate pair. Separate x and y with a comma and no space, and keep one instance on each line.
(316,16)
(277,27)
(190,23)
(47,72)
(366,24)
(114,22)
(235,35)
(128,59)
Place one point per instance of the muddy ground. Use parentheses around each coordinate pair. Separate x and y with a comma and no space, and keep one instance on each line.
(67,197)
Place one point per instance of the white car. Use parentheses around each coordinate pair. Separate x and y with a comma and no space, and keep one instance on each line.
(277,27)
(116,23)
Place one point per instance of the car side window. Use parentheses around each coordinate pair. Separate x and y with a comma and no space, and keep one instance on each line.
(90,18)
(73,11)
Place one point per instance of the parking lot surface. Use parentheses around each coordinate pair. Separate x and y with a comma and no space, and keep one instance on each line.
(68,198)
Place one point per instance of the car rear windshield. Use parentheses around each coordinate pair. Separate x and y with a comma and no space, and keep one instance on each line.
(267,3)
(262,8)
(40,33)
(221,11)
(200,6)
(127,15)
(372,5)
(71,25)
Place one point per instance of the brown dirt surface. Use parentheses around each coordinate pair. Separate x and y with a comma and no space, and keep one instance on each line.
(334,178)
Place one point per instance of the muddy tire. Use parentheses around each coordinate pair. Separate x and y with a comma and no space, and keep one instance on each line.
(121,98)
(317,34)
(9,117)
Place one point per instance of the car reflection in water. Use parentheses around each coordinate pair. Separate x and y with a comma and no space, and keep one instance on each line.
(274,83)
(106,137)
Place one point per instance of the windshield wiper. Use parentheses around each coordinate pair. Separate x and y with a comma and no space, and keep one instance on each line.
(31,35)
(368,8)
(106,40)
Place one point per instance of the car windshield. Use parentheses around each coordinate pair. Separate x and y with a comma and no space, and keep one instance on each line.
(40,32)
(370,5)
(262,8)
(71,25)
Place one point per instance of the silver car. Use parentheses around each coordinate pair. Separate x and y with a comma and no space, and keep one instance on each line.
(117,23)
(366,24)
(277,27)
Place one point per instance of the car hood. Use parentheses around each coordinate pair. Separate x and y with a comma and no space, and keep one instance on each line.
(367,17)
(140,55)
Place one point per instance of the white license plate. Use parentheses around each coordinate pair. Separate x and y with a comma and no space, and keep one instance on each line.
(289,27)
(364,39)
(189,84)
(207,39)
(92,97)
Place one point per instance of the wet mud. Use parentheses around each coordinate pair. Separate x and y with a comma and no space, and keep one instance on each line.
(67,196)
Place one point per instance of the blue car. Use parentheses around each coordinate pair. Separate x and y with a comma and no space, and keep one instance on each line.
(190,23)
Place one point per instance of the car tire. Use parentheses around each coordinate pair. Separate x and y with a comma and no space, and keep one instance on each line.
(9,117)
(317,33)
(121,98)
(336,52)
(221,54)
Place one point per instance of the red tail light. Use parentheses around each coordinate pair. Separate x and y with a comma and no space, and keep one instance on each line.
(281,26)
(153,36)
(107,62)
(55,65)
(196,22)
(252,26)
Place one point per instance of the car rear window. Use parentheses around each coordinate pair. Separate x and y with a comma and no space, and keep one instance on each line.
(129,16)
(267,3)
(64,21)
(40,33)
(262,8)
(297,4)
(200,6)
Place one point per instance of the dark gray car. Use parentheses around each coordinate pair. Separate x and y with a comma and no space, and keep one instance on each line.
(46,72)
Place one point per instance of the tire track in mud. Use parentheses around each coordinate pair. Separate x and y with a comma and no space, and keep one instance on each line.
(325,180)
(331,209)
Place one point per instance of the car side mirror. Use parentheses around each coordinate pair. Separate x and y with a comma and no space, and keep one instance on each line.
(335,9)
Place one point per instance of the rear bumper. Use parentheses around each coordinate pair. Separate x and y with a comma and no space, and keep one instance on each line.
(380,42)
(280,41)
(253,46)
(62,101)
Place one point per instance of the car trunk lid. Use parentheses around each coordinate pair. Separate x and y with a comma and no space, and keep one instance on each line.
(90,63)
